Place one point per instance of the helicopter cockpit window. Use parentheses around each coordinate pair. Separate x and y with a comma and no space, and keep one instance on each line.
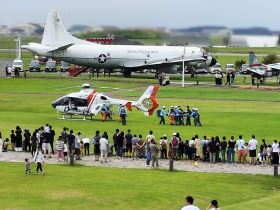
(103,98)
(78,102)
(64,101)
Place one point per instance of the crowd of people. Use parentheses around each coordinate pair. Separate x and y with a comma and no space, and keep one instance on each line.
(148,147)
(177,116)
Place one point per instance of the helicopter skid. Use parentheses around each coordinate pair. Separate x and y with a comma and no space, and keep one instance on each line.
(74,119)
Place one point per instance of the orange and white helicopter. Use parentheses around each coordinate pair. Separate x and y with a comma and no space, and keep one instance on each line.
(88,102)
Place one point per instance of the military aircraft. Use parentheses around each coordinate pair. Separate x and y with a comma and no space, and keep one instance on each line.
(59,44)
(259,69)
(88,102)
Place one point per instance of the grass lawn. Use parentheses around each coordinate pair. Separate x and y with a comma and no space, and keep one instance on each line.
(81,187)
(224,111)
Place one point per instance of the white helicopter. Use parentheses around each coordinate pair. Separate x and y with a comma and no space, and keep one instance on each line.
(88,102)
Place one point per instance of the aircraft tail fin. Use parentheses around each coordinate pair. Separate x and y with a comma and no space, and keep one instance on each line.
(253,60)
(148,102)
(55,35)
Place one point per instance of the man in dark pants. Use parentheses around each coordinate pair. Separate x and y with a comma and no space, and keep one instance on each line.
(123,115)
(115,138)
(52,134)
(162,114)
(188,116)
(71,139)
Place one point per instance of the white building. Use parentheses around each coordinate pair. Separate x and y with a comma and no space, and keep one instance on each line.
(253,40)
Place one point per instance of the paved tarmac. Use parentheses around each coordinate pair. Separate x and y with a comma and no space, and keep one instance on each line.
(182,165)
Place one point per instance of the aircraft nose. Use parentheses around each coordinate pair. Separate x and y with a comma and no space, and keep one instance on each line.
(53,105)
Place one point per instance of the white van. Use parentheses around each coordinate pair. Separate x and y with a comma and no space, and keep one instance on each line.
(230,68)
(216,68)
(17,65)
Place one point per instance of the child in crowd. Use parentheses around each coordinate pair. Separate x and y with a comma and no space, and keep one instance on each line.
(65,151)
(82,148)
(27,166)
(264,154)
(39,159)
(170,151)
(245,152)
(269,150)
(5,145)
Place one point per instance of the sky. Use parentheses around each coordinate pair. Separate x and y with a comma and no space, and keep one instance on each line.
(147,13)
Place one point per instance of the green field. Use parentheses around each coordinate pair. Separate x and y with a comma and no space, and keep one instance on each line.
(224,111)
(65,187)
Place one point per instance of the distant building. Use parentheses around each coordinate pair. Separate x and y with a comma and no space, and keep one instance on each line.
(253,37)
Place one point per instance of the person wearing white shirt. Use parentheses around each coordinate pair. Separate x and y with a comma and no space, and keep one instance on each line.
(86,145)
(253,143)
(189,204)
(240,143)
(103,147)
(275,153)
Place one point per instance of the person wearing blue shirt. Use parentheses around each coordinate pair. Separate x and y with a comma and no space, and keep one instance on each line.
(162,114)
(123,114)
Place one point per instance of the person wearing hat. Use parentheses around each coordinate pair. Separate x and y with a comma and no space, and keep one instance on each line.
(163,147)
(123,114)
(174,145)
(162,114)
(171,115)
(104,112)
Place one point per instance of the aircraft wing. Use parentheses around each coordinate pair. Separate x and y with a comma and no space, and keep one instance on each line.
(258,71)
(161,61)
(274,66)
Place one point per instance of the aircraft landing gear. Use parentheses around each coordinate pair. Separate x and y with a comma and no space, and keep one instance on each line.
(126,73)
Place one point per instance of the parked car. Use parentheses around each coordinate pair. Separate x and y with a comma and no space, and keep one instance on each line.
(64,66)
(34,65)
(216,68)
(50,66)
(17,65)
(230,68)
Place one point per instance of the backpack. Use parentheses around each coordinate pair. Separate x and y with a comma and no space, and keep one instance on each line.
(174,142)
(163,144)
(122,112)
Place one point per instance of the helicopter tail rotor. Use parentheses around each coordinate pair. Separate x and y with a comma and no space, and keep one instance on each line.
(148,102)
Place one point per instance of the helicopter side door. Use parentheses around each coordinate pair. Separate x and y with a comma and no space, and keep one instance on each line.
(96,103)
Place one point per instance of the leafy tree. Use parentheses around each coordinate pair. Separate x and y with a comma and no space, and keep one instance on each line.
(238,64)
(270,59)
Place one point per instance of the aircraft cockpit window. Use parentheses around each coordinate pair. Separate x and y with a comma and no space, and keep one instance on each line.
(61,102)
(78,102)
(103,98)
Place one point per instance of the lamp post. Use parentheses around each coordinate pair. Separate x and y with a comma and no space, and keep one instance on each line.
(183,68)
